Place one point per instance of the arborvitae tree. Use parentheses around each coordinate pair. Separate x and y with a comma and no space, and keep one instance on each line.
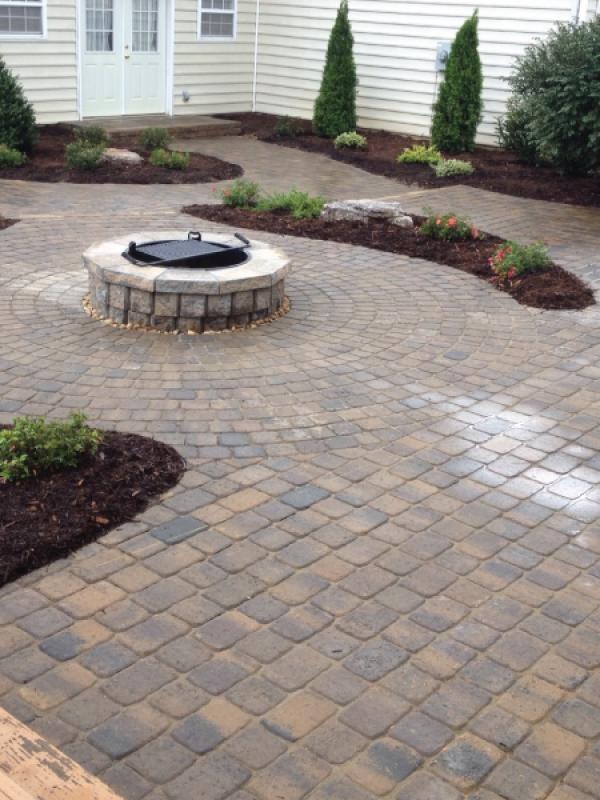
(457,111)
(17,118)
(335,107)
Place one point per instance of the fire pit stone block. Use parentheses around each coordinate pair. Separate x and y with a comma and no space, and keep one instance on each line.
(184,299)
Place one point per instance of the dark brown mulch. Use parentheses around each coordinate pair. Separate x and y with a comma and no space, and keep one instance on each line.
(552,288)
(47,163)
(45,518)
(5,222)
(495,170)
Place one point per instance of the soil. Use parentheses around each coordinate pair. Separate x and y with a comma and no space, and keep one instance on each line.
(47,517)
(5,222)
(47,163)
(551,288)
(495,170)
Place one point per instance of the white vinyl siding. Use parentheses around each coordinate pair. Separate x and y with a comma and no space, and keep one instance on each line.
(47,67)
(217,74)
(395,49)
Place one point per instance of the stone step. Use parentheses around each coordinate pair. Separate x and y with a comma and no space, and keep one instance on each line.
(182,126)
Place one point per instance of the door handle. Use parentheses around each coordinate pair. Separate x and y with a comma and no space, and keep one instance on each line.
(127,53)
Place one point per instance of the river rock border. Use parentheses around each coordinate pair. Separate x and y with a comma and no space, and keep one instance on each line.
(183,299)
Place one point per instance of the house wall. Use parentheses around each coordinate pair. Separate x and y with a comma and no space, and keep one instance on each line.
(48,67)
(395,50)
(218,75)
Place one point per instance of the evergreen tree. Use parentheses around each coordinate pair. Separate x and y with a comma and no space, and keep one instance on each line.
(335,107)
(457,111)
(17,118)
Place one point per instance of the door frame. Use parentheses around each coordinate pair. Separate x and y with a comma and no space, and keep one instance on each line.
(169,55)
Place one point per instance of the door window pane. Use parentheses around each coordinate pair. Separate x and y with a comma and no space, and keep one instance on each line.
(144,26)
(99,26)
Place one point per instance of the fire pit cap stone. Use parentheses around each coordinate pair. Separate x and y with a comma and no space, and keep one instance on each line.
(266,266)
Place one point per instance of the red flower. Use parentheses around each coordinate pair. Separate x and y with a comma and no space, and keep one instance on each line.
(452,222)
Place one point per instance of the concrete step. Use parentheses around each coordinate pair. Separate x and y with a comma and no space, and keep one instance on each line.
(183,126)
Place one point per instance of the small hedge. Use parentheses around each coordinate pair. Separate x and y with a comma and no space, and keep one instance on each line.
(9,157)
(154,139)
(168,159)
(92,136)
(34,446)
(80,155)
(420,154)
(300,205)
(449,167)
(350,141)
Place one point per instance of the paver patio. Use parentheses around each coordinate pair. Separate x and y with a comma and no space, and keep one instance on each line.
(379,577)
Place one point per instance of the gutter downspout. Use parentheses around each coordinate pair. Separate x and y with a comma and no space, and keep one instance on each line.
(255,71)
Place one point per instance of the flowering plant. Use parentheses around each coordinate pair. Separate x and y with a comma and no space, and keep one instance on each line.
(241,194)
(450,227)
(512,260)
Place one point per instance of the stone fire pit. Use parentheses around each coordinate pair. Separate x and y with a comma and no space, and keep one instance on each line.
(187,299)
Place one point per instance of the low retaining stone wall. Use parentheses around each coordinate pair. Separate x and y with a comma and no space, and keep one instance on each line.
(184,299)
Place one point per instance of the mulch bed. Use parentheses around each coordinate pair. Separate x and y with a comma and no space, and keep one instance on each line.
(47,163)
(5,222)
(47,517)
(552,288)
(495,170)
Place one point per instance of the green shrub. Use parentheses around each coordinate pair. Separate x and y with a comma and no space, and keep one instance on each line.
(448,167)
(287,127)
(514,131)
(512,259)
(82,156)
(9,157)
(154,139)
(17,118)
(92,136)
(241,194)
(300,205)
(457,111)
(420,154)
(351,140)
(335,107)
(449,227)
(168,159)
(34,446)
(556,107)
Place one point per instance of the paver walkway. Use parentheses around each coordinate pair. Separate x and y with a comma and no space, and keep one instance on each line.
(378,578)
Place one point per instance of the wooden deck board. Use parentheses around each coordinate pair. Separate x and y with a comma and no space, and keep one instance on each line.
(29,763)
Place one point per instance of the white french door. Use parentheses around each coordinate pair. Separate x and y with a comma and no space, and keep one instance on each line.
(124,65)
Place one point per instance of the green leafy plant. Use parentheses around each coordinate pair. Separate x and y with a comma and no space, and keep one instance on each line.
(17,118)
(79,155)
(512,259)
(420,154)
(35,445)
(287,127)
(9,157)
(350,140)
(335,107)
(154,139)
(448,167)
(449,227)
(241,194)
(168,159)
(457,111)
(300,205)
(554,116)
(92,136)
(514,132)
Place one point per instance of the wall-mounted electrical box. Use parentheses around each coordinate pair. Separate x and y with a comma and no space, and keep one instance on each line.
(441,55)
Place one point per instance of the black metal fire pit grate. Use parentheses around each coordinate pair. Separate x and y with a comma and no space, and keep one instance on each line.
(191,252)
